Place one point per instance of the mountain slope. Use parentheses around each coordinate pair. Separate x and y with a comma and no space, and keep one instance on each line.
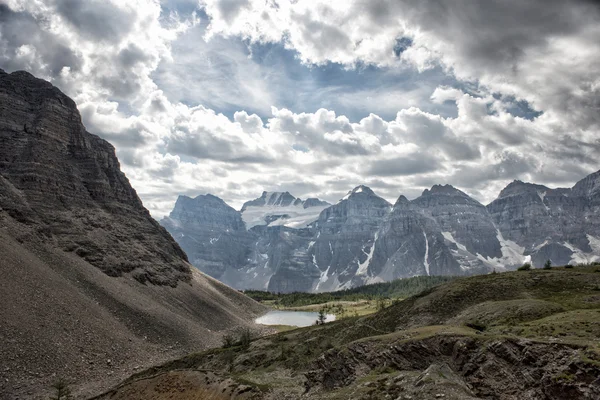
(91,285)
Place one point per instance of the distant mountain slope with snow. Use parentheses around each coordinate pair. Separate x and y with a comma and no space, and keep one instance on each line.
(282,209)
(281,243)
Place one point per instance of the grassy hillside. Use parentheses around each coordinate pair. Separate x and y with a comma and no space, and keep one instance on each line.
(516,335)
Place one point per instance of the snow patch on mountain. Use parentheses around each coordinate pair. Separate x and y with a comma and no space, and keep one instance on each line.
(293,216)
(581,257)
(364,266)
(426,257)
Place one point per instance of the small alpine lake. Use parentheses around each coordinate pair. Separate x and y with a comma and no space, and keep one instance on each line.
(292,318)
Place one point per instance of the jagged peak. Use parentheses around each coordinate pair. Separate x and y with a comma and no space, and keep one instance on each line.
(283,199)
(359,189)
(443,190)
(314,202)
(402,201)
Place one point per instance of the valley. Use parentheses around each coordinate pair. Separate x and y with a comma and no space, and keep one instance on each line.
(513,335)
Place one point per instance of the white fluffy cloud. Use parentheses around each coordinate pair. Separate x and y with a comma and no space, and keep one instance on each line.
(106,55)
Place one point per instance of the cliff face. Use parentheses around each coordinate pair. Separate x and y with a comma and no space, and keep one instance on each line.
(92,287)
(561,225)
(73,189)
(345,233)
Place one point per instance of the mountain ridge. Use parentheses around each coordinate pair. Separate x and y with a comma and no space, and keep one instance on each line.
(444,231)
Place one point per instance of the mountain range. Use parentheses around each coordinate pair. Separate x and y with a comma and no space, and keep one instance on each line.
(281,243)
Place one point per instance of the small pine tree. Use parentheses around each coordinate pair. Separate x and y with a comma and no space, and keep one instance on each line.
(380,304)
(62,391)
(548,264)
(245,338)
(322,317)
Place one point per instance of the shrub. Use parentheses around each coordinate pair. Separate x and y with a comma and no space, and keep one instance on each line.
(524,267)
(228,340)
(548,264)
(477,325)
(568,266)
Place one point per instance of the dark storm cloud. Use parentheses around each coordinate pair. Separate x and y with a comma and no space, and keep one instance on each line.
(508,165)
(19,29)
(417,163)
(96,19)
(506,38)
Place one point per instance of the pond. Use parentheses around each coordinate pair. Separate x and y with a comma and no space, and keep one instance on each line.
(293,318)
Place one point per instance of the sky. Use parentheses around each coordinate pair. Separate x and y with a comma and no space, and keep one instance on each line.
(233,97)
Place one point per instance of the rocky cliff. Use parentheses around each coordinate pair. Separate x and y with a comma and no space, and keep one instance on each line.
(92,287)
(560,225)
(73,189)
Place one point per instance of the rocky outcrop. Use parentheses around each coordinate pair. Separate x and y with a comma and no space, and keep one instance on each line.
(461,367)
(72,187)
(92,287)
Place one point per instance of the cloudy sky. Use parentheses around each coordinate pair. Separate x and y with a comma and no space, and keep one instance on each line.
(233,97)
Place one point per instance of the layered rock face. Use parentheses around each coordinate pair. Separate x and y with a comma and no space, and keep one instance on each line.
(73,189)
(92,287)
(345,233)
(409,244)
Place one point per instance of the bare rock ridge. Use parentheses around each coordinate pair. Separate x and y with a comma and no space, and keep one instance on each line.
(92,287)
(362,239)
(71,181)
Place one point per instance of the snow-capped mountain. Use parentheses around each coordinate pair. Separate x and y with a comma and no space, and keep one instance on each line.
(282,209)
(283,244)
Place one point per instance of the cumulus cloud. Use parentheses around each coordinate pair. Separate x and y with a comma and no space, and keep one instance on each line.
(187,99)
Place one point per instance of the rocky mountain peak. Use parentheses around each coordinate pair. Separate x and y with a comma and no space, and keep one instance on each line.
(276,199)
(517,187)
(361,191)
(206,210)
(314,202)
(444,190)
(588,186)
(401,202)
